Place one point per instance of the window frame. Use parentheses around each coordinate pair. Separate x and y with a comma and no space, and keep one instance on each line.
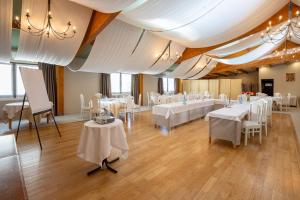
(120,84)
(14,66)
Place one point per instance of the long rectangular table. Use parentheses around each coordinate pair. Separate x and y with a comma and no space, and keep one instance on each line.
(226,123)
(173,114)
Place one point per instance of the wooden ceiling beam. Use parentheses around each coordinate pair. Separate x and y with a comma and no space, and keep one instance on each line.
(97,23)
(192,52)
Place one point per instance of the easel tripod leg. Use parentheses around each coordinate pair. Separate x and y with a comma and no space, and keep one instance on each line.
(55,124)
(37,131)
(20,117)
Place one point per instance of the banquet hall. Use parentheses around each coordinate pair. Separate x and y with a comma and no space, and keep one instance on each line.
(149,99)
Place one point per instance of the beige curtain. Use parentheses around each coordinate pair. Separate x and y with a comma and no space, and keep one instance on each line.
(225,87)
(213,87)
(235,88)
(186,85)
(105,87)
(203,85)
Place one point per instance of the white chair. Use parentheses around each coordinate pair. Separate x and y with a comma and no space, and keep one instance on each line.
(286,102)
(253,125)
(83,107)
(98,95)
(269,110)
(264,112)
(95,109)
(223,97)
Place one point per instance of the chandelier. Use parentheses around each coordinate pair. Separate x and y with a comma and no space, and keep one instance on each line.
(48,28)
(283,32)
(167,56)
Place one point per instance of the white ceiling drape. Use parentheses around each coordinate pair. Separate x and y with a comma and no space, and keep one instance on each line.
(116,53)
(6,12)
(255,54)
(201,23)
(184,67)
(106,6)
(194,68)
(236,46)
(51,50)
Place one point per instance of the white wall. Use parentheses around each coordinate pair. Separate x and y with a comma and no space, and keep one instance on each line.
(150,85)
(76,83)
(278,73)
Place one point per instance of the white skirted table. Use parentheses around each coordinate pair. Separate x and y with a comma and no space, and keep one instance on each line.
(173,114)
(226,123)
(96,143)
(13,110)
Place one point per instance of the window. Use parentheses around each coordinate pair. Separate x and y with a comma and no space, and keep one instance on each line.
(120,83)
(168,84)
(10,79)
(6,80)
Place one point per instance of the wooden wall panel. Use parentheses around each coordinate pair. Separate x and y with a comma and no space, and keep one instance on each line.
(60,89)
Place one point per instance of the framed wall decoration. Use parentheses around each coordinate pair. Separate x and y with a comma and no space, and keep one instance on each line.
(290,77)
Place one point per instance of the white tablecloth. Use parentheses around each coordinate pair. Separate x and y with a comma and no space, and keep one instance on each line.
(236,112)
(97,141)
(173,108)
(113,105)
(12,109)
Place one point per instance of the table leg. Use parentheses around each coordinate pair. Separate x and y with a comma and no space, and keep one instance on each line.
(48,118)
(209,140)
(106,163)
(30,125)
(10,124)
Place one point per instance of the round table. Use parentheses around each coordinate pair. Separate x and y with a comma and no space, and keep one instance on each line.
(97,141)
(13,110)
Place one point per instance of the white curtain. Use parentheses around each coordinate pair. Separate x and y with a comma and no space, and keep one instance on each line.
(201,23)
(116,53)
(51,50)
(6,11)
(106,6)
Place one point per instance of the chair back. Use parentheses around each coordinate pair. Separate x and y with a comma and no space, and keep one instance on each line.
(256,110)
(98,95)
(277,94)
(129,101)
(95,104)
(223,96)
(82,103)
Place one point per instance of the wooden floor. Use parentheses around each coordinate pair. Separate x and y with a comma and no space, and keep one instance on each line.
(180,166)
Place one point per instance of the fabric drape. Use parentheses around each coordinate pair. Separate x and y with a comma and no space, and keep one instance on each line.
(160,86)
(185,22)
(51,50)
(135,89)
(105,85)
(117,53)
(6,12)
(49,74)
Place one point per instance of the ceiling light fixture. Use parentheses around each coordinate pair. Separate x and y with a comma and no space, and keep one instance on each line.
(48,28)
(287,31)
